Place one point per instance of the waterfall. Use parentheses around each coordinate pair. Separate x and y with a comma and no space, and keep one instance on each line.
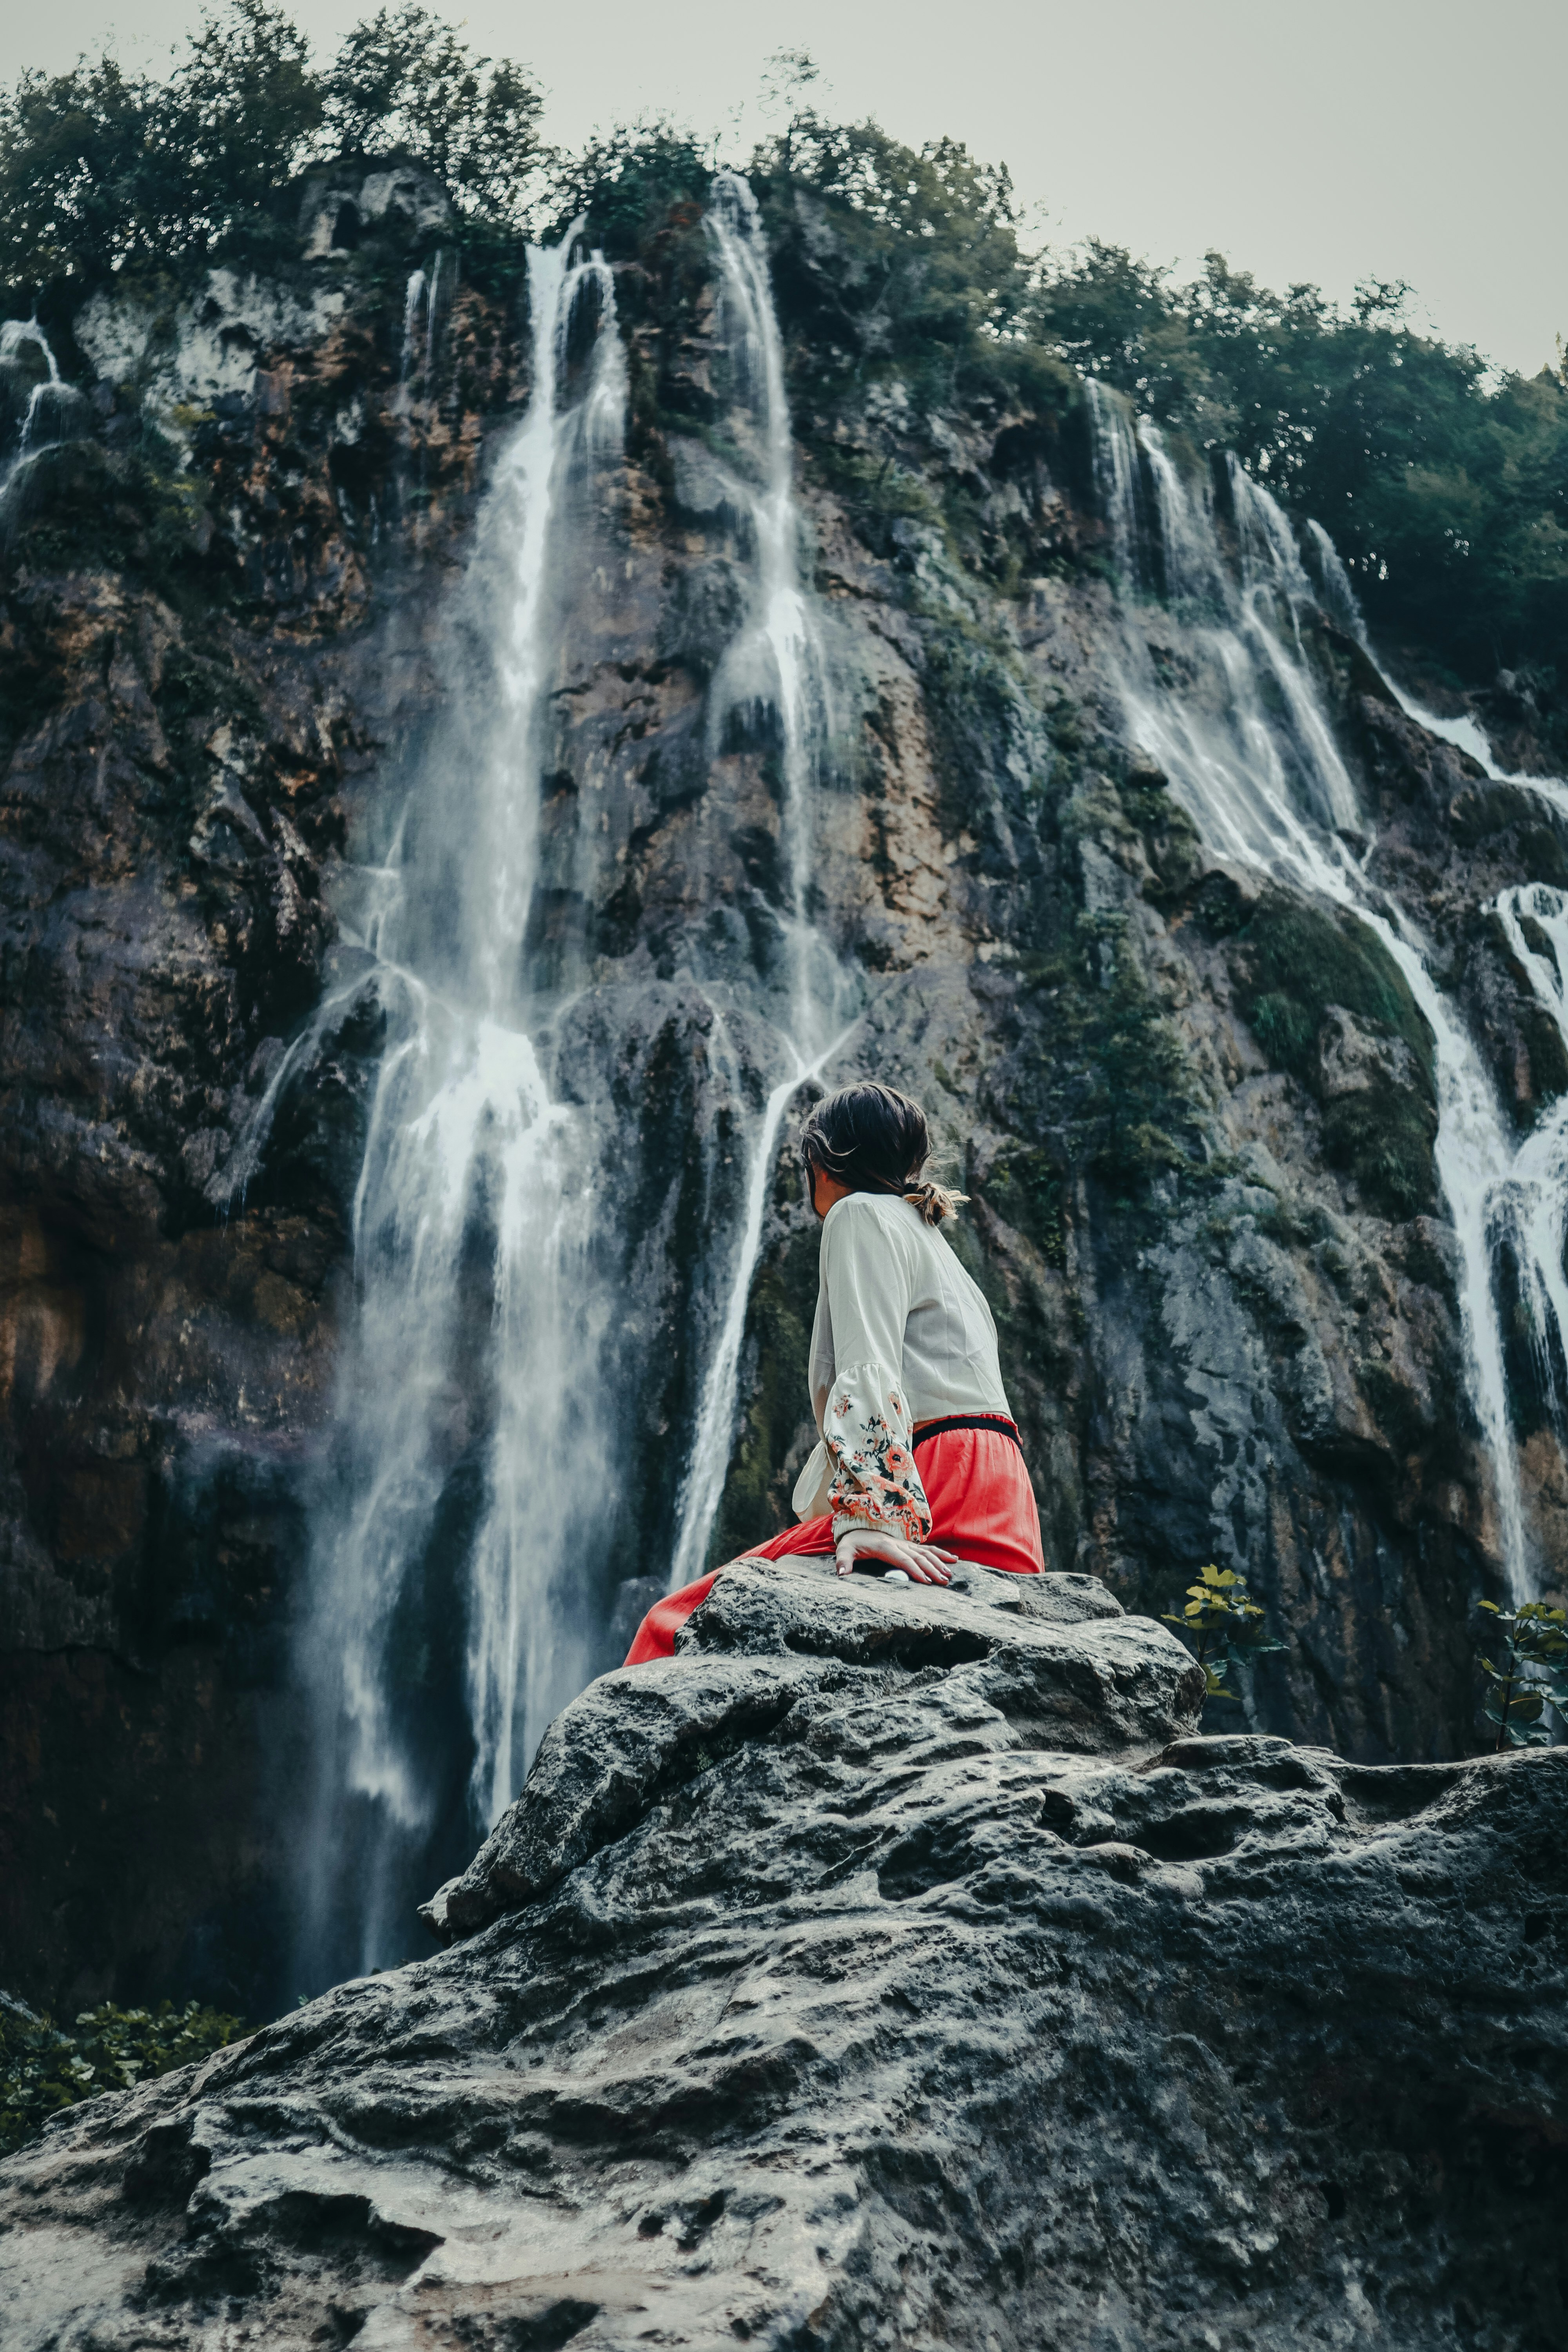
(413,295)
(473,1466)
(1516,1194)
(1529,1205)
(776,664)
(432,302)
(1250,753)
(1116,479)
(15,335)
(502,1336)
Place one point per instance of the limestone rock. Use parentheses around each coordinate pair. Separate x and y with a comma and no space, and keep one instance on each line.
(837,2003)
(212,722)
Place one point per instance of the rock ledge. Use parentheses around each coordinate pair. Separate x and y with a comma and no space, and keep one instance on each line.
(887,1967)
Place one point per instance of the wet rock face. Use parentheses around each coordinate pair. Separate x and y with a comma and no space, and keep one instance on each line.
(1226,1332)
(885,1966)
(198,671)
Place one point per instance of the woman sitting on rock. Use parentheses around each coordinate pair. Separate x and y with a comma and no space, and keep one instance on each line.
(919,1463)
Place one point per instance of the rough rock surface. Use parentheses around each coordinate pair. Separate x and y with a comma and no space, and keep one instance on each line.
(886,1969)
(221,605)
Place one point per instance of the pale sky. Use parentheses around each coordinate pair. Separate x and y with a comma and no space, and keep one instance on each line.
(1334,141)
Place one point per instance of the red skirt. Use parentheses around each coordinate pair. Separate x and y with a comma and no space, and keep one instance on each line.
(982,1507)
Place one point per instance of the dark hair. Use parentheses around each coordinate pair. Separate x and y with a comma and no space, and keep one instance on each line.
(875,1140)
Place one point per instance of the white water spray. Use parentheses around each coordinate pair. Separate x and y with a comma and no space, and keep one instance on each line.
(1116,479)
(473,1369)
(776,664)
(1251,755)
(413,297)
(16,334)
(432,299)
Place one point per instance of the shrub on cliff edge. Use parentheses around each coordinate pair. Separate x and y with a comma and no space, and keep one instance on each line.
(101,170)
(44,2068)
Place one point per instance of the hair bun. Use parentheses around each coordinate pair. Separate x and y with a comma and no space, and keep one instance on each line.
(934,1202)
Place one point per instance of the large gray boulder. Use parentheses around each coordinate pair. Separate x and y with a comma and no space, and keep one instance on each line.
(889,1967)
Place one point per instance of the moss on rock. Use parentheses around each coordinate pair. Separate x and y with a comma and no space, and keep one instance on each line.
(1294,966)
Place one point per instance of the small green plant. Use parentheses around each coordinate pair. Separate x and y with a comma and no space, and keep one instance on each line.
(1530,1676)
(44,2067)
(1224,1627)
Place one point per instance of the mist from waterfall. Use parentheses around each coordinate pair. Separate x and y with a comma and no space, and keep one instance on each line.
(465,1532)
(467,1427)
(1250,752)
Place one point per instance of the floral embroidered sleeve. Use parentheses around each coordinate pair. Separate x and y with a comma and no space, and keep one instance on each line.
(875,1482)
(866,1420)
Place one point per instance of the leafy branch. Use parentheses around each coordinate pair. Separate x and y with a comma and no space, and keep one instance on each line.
(1531,1675)
(44,2068)
(1223,1624)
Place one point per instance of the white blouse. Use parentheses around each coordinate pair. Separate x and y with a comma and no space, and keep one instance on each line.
(902,1335)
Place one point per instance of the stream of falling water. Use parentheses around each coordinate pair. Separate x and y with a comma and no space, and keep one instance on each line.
(15,335)
(474,1367)
(776,663)
(475,1481)
(1253,759)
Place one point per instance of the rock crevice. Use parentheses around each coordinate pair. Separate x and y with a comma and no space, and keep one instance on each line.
(807,1997)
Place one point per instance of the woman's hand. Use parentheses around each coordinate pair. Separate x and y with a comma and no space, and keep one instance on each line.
(921,1564)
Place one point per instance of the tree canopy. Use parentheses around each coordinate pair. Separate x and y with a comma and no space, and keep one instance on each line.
(100,169)
(1445,490)
(1446,493)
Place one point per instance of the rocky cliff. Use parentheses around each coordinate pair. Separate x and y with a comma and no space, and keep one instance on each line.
(887,1967)
(1193,1107)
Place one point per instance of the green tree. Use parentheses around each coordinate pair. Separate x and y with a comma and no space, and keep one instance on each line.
(1445,492)
(101,170)
(81,186)
(403,79)
(930,235)
(643,187)
(98,169)
(240,115)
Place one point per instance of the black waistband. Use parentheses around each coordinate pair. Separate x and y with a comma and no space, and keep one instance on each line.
(993,1421)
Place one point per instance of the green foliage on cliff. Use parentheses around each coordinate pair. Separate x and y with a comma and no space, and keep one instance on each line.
(643,190)
(404,81)
(1530,1676)
(101,170)
(1291,963)
(1446,495)
(44,2067)
(1118,1096)
(1224,1627)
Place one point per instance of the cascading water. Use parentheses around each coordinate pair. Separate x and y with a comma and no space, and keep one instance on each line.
(776,664)
(1520,1198)
(1464,733)
(1116,479)
(1250,753)
(432,310)
(471,1504)
(415,297)
(15,335)
(467,1431)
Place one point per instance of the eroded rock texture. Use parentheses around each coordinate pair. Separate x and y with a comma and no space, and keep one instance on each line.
(887,1967)
(1221,1264)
